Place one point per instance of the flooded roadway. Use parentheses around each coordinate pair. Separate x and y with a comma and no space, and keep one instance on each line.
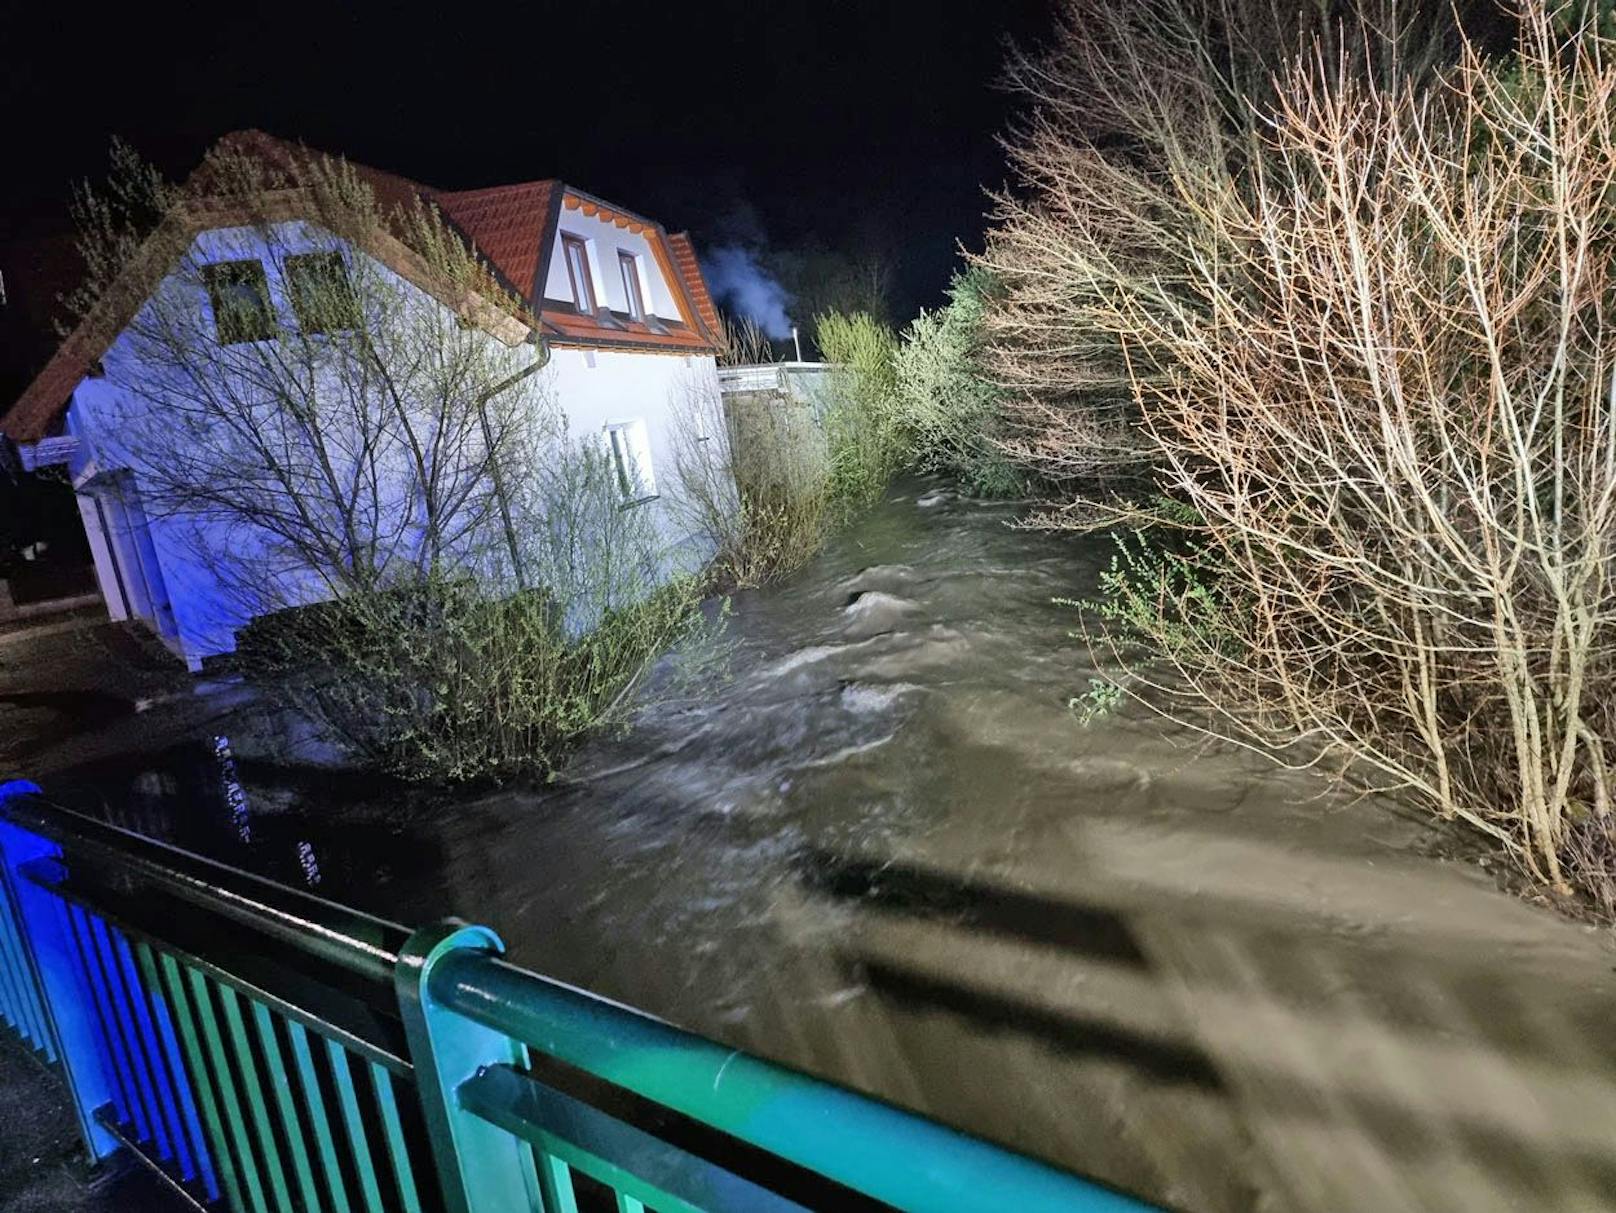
(883,849)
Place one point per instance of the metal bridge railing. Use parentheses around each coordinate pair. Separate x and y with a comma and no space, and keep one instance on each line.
(267,1051)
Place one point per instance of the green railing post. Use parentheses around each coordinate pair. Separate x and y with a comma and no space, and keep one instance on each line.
(482,1168)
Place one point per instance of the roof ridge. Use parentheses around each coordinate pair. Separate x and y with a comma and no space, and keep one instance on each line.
(254,140)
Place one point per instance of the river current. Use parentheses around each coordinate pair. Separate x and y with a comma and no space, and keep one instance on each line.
(880,846)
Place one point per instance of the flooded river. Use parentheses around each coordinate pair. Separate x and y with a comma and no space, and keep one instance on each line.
(883,849)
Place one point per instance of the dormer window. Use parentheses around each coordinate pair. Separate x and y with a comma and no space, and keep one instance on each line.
(629,264)
(583,290)
(240,296)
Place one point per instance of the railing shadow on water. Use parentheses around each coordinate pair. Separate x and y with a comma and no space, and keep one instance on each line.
(1088,933)
(1257,1046)
(263,1049)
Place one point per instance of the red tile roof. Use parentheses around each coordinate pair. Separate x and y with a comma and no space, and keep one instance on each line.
(45,400)
(684,257)
(293,159)
(507,223)
(512,227)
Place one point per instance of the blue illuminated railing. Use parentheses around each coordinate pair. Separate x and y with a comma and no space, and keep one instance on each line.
(22,1005)
(266,1051)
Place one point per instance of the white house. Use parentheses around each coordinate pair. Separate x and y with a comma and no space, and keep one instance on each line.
(622,312)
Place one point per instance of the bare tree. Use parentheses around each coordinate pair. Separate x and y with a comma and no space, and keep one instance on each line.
(330,392)
(1383,394)
(743,342)
(1142,120)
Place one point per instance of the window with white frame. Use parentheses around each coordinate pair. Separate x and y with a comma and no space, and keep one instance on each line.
(583,287)
(629,265)
(628,446)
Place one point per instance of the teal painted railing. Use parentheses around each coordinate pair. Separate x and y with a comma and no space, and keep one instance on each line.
(266,1051)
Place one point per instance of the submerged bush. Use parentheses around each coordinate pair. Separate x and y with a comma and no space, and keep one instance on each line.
(865,442)
(752,482)
(776,533)
(440,679)
(499,661)
(950,410)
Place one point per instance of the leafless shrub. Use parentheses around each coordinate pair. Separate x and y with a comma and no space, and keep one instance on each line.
(752,481)
(1383,385)
(743,342)
(1143,118)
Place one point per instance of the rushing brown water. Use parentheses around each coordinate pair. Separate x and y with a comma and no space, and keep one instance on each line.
(884,850)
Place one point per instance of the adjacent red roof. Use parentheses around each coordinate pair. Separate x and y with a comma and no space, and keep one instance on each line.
(507,223)
(684,257)
(512,226)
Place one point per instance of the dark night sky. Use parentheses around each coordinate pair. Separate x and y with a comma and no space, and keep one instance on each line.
(832,122)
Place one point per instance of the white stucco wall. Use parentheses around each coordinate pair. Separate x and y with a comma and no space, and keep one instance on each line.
(174,570)
(167,567)
(188,607)
(670,393)
(603,240)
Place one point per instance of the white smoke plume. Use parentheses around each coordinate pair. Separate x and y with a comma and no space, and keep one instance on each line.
(742,285)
